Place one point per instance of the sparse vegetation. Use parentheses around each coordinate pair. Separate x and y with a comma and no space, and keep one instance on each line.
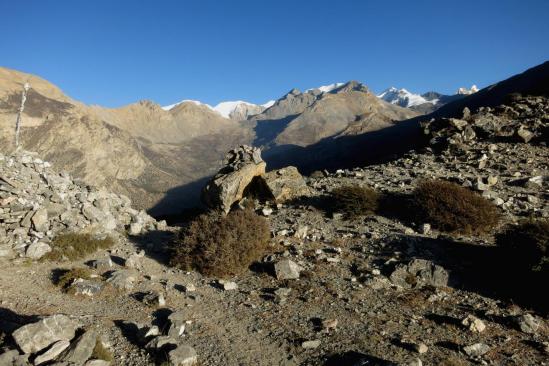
(68,276)
(220,246)
(354,200)
(452,208)
(72,246)
(526,245)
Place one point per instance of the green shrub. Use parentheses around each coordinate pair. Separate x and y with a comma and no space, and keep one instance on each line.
(72,246)
(526,245)
(452,208)
(220,246)
(354,200)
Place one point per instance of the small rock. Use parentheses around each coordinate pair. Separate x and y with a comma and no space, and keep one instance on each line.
(154,298)
(183,355)
(228,285)
(311,344)
(40,220)
(37,250)
(301,232)
(102,263)
(267,211)
(527,323)
(329,324)
(476,350)
(425,229)
(89,288)
(421,348)
(122,279)
(286,269)
(474,324)
(134,260)
(135,228)
(189,287)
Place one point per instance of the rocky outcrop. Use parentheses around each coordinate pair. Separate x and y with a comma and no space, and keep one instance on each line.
(523,119)
(36,203)
(227,187)
(286,184)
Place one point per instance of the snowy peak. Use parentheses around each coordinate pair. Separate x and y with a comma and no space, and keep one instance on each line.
(238,110)
(168,107)
(404,98)
(465,91)
(326,88)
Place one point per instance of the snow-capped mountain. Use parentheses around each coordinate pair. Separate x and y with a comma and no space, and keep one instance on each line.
(326,88)
(465,91)
(236,110)
(404,98)
(197,102)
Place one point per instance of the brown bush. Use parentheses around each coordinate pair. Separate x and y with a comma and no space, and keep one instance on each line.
(221,245)
(72,246)
(354,200)
(68,276)
(526,245)
(450,207)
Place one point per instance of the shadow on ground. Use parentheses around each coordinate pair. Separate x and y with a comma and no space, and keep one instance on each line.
(483,269)
(156,244)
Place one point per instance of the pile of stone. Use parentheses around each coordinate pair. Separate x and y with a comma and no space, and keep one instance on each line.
(244,173)
(36,203)
(526,119)
(54,338)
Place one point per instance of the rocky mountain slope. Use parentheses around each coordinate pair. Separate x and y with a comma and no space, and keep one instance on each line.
(382,288)
(158,156)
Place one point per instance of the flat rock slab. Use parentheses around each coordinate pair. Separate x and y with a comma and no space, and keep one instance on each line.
(35,337)
(80,350)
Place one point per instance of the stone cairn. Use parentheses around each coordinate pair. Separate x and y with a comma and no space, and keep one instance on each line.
(37,203)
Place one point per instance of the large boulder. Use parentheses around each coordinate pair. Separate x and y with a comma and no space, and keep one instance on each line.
(242,165)
(35,337)
(286,184)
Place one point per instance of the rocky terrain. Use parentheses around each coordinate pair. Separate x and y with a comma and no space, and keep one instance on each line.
(377,289)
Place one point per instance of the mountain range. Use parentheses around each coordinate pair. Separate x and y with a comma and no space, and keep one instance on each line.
(161,156)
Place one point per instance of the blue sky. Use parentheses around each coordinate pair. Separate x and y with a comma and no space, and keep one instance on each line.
(113,53)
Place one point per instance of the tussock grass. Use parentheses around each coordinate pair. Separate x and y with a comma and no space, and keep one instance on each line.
(73,246)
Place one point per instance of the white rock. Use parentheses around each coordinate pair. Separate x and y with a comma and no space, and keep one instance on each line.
(37,250)
(474,324)
(286,269)
(311,344)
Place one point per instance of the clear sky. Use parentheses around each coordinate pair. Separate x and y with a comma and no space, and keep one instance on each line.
(115,52)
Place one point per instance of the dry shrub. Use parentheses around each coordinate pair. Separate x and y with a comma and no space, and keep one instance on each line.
(66,279)
(354,200)
(220,246)
(72,246)
(452,208)
(526,245)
